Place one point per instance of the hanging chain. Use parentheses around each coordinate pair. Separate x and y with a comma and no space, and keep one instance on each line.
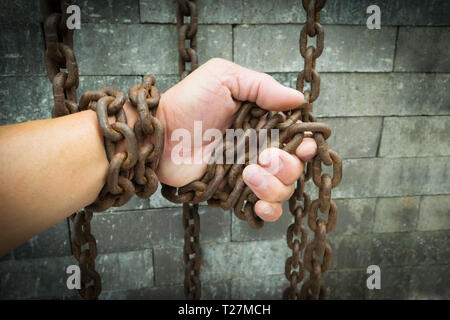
(187,8)
(318,252)
(59,55)
(191,218)
(133,171)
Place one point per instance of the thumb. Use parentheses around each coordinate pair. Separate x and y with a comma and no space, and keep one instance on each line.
(261,88)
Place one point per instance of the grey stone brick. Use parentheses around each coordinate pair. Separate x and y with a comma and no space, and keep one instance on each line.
(393,249)
(390,177)
(355,216)
(415,137)
(431,247)
(126,270)
(211,290)
(345,284)
(142,229)
(393,12)
(259,288)
(430,282)
(395,284)
(396,214)
(241,231)
(354,137)
(434,213)
(350,251)
(44,277)
(22,11)
(104,11)
(223,261)
(275,48)
(353,94)
(24,99)
(165,82)
(21,49)
(423,49)
(120,49)
(365,94)
(98,82)
(53,242)
(214,41)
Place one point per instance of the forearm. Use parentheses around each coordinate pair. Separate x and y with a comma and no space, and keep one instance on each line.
(48,170)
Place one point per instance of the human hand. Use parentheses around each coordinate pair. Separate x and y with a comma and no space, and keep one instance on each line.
(213,94)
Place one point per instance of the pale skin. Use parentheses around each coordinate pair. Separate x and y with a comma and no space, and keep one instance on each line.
(52,168)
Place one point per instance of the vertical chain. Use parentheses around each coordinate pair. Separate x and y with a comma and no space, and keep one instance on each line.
(187,31)
(191,251)
(59,55)
(318,252)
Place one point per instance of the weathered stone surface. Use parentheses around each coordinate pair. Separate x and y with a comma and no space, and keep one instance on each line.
(396,214)
(211,290)
(22,279)
(431,247)
(365,94)
(46,277)
(126,270)
(105,11)
(395,284)
(350,251)
(21,49)
(53,242)
(135,203)
(223,261)
(137,49)
(423,49)
(22,11)
(415,137)
(24,99)
(388,177)
(345,284)
(434,213)
(393,12)
(430,282)
(241,231)
(259,288)
(275,48)
(355,217)
(142,229)
(393,249)
(98,82)
(354,137)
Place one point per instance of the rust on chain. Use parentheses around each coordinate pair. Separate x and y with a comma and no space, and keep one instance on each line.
(62,71)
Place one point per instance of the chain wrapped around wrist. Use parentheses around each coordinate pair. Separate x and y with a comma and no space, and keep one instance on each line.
(132,171)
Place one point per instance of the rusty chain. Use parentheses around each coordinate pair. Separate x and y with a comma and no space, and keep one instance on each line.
(318,252)
(187,30)
(59,55)
(133,171)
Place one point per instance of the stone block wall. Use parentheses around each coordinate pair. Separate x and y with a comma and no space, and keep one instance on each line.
(384,92)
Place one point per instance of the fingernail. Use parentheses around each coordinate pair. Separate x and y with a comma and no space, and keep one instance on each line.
(268,211)
(271,162)
(254,177)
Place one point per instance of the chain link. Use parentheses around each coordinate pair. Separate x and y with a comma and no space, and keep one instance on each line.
(187,9)
(318,252)
(133,170)
(59,55)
